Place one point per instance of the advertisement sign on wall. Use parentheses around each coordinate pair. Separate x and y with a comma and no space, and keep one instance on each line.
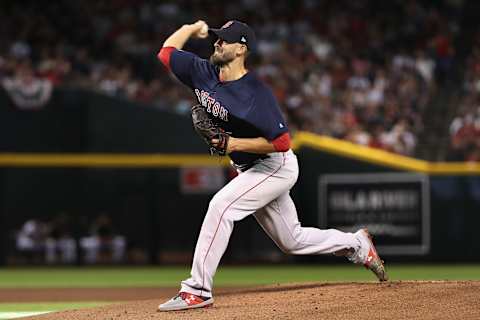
(394,207)
(201,180)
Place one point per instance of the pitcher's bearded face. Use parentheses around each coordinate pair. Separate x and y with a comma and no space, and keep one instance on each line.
(224,53)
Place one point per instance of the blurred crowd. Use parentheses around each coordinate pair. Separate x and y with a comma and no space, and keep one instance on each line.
(358,70)
(56,241)
(465,127)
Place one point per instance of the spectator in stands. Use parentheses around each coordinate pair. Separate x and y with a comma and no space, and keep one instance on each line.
(60,246)
(465,126)
(103,245)
(334,66)
(465,136)
(30,241)
(26,90)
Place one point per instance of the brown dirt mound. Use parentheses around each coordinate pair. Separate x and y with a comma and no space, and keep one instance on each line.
(393,300)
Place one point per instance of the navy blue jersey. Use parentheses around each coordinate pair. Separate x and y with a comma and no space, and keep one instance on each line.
(246,108)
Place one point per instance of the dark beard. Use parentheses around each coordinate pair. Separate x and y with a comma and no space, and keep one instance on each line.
(220,61)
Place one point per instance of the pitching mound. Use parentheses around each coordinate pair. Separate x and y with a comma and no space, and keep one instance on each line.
(393,300)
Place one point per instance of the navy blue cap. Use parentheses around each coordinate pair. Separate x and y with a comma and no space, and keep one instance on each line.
(236,32)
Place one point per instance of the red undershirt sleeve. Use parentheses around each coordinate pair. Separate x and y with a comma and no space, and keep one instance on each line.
(164,56)
(282,142)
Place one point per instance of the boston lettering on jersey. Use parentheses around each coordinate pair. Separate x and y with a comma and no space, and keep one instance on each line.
(245,107)
(213,107)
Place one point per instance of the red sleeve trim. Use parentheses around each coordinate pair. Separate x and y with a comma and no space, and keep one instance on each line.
(164,56)
(282,142)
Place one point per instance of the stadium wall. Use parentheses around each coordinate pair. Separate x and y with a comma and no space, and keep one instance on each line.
(86,153)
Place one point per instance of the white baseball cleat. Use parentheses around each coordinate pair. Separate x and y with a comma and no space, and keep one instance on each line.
(185,300)
(368,255)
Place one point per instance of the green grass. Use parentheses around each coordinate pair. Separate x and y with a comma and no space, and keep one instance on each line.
(226,276)
(47,306)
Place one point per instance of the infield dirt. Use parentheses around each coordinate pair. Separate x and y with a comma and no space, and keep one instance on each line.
(392,300)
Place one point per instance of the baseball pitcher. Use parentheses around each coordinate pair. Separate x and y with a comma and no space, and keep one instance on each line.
(238,116)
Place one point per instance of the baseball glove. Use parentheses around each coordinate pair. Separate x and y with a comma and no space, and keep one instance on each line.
(208,130)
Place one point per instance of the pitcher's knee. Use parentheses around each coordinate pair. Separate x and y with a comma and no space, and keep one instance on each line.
(293,244)
(219,202)
(285,248)
(214,207)
(288,248)
(217,207)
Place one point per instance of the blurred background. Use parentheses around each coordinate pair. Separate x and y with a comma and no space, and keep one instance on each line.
(82,78)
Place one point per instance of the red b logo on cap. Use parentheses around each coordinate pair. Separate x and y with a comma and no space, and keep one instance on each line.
(226,25)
